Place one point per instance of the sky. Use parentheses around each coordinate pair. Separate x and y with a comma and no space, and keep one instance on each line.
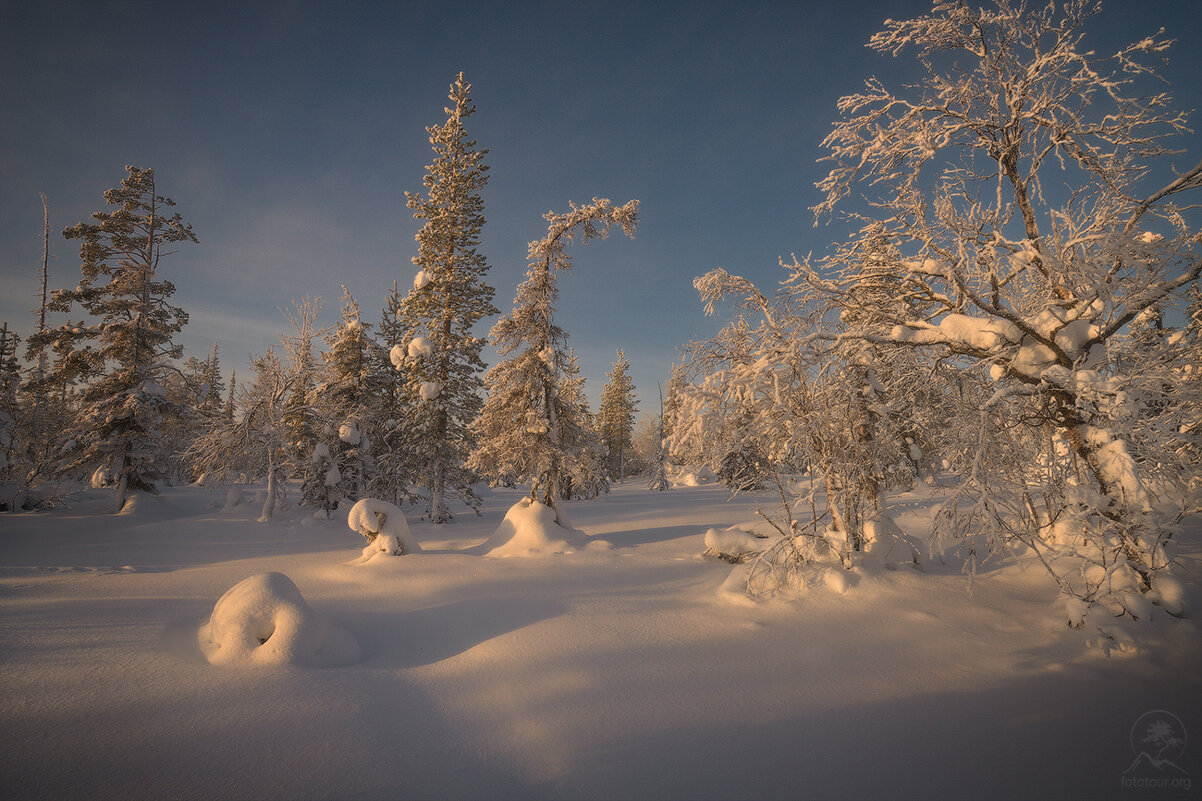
(288,133)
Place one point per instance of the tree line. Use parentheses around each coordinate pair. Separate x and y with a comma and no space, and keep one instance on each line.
(398,413)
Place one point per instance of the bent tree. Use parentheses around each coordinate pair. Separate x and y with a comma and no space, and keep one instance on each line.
(534,426)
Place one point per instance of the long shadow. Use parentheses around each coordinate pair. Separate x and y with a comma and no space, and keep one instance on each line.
(425,636)
(632,538)
(1040,736)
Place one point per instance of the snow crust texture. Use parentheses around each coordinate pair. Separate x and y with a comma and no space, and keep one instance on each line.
(265,620)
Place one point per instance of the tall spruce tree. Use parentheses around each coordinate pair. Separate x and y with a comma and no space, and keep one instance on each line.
(123,357)
(532,428)
(615,415)
(448,299)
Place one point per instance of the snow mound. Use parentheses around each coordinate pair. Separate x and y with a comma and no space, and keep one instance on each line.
(384,526)
(732,544)
(530,529)
(686,477)
(264,620)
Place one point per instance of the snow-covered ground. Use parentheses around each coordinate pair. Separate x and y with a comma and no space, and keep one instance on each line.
(616,671)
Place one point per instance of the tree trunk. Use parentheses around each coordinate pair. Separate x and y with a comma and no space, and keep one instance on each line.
(269,502)
(122,484)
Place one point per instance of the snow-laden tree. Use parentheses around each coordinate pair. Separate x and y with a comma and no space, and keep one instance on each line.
(345,398)
(322,479)
(773,400)
(10,412)
(255,444)
(122,358)
(449,297)
(656,453)
(583,474)
(393,457)
(615,415)
(1017,186)
(531,429)
(301,424)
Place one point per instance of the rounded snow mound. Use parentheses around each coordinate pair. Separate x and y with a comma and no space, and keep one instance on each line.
(265,620)
(530,529)
(384,526)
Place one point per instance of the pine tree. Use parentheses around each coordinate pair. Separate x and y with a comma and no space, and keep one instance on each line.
(448,299)
(124,362)
(615,416)
(533,426)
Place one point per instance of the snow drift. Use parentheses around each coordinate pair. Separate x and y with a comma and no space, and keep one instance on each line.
(529,529)
(265,620)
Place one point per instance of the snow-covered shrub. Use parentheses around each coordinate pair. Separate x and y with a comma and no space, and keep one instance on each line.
(733,544)
(384,526)
(265,620)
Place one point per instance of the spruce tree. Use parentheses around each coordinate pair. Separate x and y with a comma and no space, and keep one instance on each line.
(123,357)
(210,404)
(300,416)
(344,398)
(394,465)
(615,416)
(10,413)
(534,426)
(448,299)
(659,460)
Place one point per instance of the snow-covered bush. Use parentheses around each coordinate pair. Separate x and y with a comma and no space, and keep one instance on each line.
(384,526)
(733,544)
(265,620)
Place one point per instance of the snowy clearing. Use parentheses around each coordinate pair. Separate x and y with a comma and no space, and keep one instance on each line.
(612,672)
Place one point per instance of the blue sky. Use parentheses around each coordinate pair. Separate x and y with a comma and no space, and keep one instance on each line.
(288,133)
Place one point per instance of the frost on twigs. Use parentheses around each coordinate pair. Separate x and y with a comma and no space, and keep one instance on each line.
(384,526)
(264,620)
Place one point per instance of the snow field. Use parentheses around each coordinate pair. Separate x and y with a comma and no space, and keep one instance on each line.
(618,673)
